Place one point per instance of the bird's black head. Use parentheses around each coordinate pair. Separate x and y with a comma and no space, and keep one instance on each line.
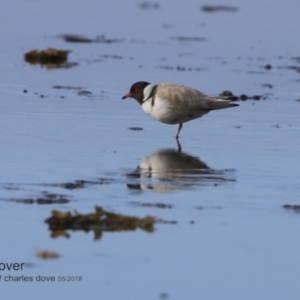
(137,91)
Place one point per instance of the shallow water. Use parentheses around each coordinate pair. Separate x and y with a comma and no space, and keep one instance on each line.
(228,235)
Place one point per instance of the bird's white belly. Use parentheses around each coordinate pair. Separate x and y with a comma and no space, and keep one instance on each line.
(162,111)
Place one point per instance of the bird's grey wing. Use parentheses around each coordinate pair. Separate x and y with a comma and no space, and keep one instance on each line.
(183,98)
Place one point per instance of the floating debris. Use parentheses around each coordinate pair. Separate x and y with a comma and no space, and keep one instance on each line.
(172,222)
(133,186)
(98,221)
(85,93)
(50,56)
(179,68)
(47,198)
(163,296)
(297,59)
(157,205)
(148,5)
(47,254)
(254,97)
(294,68)
(243,97)
(79,184)
(199,207)
(229,95)
(65,87)
(267,85)
(218,8)
(267,67)
(112,56)
(188,39)
(293,207)
(136,128)
(74,38)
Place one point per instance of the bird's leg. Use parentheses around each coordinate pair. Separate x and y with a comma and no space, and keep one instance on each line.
(178,146)
(178,131)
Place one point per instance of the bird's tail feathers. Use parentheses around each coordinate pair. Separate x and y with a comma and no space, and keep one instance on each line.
(219,103)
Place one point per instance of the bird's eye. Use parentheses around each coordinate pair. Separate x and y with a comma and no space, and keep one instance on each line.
(136,89)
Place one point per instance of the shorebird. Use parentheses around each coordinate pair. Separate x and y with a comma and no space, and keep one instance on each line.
(172,103)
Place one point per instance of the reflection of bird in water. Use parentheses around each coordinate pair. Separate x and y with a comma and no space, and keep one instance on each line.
(169,170)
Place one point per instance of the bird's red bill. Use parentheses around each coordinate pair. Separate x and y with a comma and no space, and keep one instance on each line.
(128,95)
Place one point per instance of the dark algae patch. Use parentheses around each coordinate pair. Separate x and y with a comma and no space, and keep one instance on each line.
(188,39)
(148,5)
(98,221)
(135,128)
(79,184)
(46,198)
(243,97)
(45,254)
(80,90)
(114,56)
(74,38)
(218,8)
(179,68)
(267,67)
(292,207)
(156,205)
(65,87)
(47,57)
(85,93)
(267,85)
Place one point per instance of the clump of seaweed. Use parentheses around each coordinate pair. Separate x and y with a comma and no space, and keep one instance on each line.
(45,254)
(48,57)
(98,221)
